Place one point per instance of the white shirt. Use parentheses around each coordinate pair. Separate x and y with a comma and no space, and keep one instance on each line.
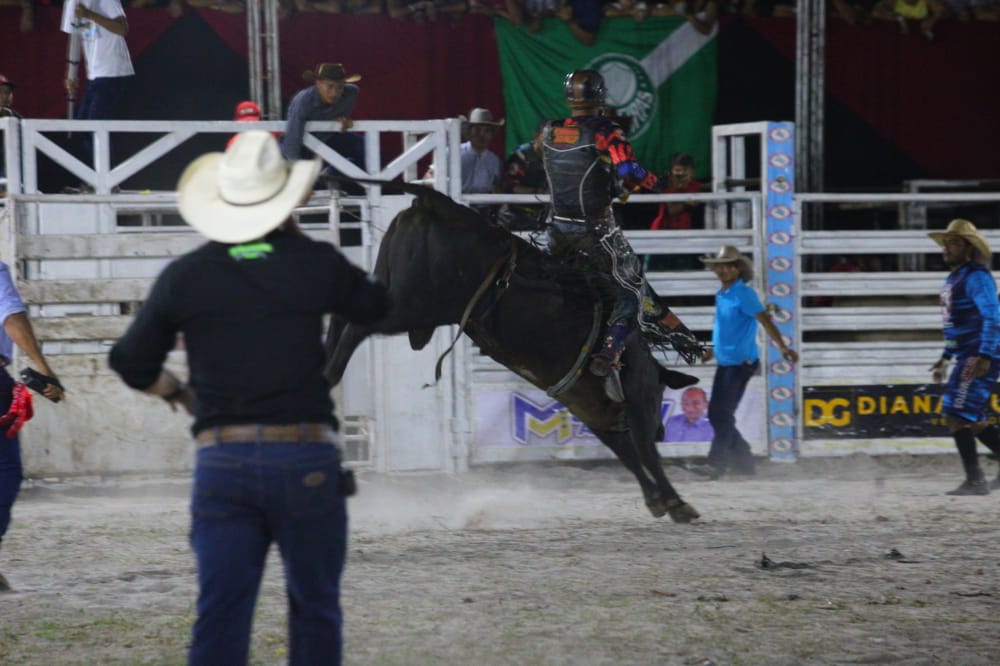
(480,171)
(105,52)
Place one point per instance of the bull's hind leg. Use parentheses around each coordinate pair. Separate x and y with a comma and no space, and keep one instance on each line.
(658,493)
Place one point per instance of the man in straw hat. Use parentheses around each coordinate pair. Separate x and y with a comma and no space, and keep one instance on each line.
(250,306)
(972,336)
(588,161)
(331,96)
(738,310)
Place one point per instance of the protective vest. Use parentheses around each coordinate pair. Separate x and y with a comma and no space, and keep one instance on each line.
(581,179)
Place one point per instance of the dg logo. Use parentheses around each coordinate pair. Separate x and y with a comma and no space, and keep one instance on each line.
(781,367)
(780,160)
(780,134)
(783,420)
(835,412)
(781,264)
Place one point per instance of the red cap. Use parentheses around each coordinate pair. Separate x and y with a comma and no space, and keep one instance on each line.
(4,81)
(247,111)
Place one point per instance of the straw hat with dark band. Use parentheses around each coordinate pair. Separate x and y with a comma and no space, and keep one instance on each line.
(728,254)
(967,230)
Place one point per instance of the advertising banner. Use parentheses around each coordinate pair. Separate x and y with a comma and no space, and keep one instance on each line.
(530,419)
(878,411)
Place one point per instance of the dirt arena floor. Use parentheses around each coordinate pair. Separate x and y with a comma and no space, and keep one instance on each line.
(867,562)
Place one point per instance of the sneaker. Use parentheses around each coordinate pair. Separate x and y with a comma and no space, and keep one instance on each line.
(971,488)
(4,585)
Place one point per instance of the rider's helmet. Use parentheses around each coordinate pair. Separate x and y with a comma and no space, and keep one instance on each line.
(585,87)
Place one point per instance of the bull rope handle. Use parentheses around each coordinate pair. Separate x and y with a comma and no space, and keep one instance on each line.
(511,260)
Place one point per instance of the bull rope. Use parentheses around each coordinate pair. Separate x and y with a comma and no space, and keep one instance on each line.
(502,283)
(576,369)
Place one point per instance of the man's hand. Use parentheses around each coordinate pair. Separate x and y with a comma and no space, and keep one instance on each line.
(939,370)
(70,86)
(975,367)
(82,12)
(345,123)
(707,355)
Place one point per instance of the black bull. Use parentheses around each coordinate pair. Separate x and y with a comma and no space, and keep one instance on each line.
(435,257)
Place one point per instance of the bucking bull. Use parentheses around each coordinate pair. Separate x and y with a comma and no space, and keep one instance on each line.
(443,264)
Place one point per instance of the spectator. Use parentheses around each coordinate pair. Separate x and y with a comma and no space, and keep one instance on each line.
(738,310)
(101,27)
(536,10)
(583,17)
(247,112)
(480,165)
(678,214)
(16,330)
(7,98)
(424,10)
(680,179)
(267,466)
(703,15)
(340,6)
(524,173)
(331,97)
(6,111)
(225,6)
(691,425)
(507,9)
(926,13)
(972,338)
(27,23)
(636,9)
(985,10)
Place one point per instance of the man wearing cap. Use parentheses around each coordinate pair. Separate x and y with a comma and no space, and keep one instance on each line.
(331,97)
(972,336)
(250,305)
(738,310)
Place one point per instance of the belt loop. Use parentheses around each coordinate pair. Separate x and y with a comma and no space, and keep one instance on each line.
(303,433)
(217,431)
(260,433)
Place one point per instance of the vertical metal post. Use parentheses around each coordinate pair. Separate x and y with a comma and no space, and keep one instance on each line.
(810,73)
(272,57)
(253,50)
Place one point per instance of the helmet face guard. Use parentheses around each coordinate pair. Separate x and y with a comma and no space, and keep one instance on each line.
(585,87)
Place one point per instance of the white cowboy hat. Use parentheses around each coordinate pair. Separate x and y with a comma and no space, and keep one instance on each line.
(480,116)
(728,254)
(967,230)
(242,194)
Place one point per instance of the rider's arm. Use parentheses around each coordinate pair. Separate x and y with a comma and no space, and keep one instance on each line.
(610,138)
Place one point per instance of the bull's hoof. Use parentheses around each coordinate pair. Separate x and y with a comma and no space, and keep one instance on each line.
(681,512)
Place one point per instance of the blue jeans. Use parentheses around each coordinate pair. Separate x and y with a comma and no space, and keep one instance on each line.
(100,98)
(729,449)
(245,496)
(11,471)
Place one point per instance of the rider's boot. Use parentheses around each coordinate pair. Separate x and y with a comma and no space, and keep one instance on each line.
(605,363)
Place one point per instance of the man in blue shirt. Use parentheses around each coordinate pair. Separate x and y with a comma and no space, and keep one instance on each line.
(738,310)
(972,334)
(16,330)
(331,97)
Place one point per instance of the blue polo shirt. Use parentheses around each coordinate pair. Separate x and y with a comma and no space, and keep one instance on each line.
(734,334)
(10,303)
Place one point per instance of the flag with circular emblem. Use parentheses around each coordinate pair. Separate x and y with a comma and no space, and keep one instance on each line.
(660,74)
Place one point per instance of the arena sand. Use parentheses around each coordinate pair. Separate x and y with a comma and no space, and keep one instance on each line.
(867,563)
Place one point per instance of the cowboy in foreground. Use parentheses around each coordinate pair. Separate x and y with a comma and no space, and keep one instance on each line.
(972,336)
(250,305)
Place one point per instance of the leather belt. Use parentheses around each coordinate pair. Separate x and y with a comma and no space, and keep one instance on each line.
(302,433)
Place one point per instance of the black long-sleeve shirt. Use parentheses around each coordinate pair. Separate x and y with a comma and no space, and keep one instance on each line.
(252,329)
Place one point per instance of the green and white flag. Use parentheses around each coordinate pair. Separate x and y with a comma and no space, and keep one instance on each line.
(660,72)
